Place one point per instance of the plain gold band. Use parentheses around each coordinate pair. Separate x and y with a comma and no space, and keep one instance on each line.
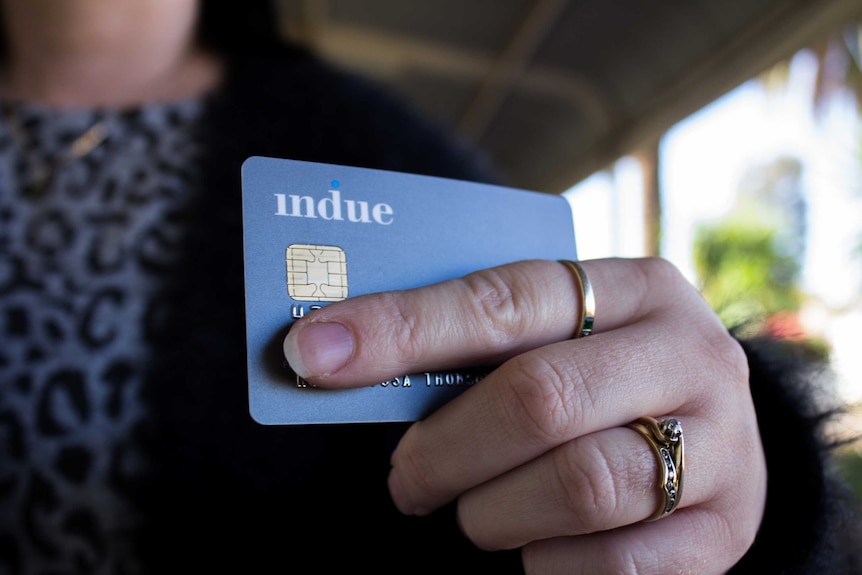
(669,451)
(587,314)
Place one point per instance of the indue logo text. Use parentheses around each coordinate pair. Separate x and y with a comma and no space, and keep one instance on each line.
(333,207)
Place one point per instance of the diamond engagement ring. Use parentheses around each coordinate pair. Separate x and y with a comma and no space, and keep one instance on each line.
(665,438)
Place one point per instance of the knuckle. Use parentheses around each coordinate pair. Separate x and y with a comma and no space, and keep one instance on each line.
(499,309)
(591,487)
(728,354)
(545,400)
(704,336)
(723,358)
(657,271)
(400,325)
(656,274)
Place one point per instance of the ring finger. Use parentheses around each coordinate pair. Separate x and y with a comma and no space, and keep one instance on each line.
(596,482)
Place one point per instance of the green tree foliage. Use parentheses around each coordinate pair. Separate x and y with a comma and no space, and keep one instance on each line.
(749,263)
(743,274)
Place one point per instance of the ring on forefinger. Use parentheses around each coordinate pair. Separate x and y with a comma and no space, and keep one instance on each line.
(665,438)
(587,313)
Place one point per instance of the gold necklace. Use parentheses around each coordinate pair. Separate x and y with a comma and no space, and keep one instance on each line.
(45,172)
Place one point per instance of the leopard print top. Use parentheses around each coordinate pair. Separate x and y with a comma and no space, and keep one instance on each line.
(84,256)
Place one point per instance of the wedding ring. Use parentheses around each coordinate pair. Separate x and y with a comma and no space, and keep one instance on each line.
(665,438)
(587,314)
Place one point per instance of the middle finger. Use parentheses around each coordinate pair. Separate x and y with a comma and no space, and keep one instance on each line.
(537,401)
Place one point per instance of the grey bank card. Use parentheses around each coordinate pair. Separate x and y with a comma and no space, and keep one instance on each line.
(320,233)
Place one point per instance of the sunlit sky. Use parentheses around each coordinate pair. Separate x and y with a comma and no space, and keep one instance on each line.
(702,162)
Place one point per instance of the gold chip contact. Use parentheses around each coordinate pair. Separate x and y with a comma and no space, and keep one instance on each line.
(316,272)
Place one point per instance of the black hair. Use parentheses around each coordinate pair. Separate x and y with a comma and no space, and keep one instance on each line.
(243,28)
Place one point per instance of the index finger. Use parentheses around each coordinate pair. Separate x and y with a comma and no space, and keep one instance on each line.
(483,318)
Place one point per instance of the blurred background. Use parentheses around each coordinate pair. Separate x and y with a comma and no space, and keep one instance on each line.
(723,135)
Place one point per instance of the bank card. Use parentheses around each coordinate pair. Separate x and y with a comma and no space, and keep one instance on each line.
(319,233)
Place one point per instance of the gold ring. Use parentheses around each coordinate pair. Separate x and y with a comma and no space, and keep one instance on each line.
(665,438)
(587,314)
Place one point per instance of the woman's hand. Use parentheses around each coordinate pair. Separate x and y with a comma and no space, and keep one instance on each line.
(537,453)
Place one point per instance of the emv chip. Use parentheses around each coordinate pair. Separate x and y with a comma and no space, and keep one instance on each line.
(316,272)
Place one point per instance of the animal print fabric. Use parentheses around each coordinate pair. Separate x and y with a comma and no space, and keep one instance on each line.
(85,256)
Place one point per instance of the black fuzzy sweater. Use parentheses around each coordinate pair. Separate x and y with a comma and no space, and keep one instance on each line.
(229,494)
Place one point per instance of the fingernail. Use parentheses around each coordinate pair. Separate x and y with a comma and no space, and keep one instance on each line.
(318,348)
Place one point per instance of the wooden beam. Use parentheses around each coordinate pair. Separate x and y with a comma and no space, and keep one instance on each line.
(385,56)
(648,158)
(509,66)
